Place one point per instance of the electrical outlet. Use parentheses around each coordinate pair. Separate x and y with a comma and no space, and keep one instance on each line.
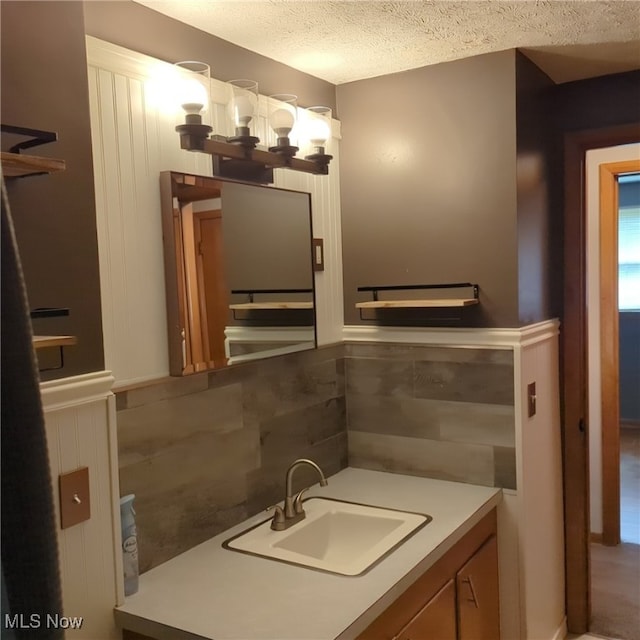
(531,399)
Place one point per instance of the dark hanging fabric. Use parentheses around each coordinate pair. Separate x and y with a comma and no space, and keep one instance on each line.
(31,581)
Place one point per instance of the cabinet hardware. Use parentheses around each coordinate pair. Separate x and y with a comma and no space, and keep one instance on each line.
(473,597)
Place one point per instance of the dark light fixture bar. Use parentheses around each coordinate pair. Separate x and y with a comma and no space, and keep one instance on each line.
(233,160)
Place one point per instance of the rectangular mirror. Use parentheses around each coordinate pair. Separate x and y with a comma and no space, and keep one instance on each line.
(238,271)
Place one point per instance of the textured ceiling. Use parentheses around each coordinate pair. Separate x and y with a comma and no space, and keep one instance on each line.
(342,41)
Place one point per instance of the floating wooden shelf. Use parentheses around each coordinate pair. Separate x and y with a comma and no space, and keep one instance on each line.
(41,342)
(248,306)
(18,164)
(417,304)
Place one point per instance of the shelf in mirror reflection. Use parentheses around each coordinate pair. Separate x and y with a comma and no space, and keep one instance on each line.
(272,305)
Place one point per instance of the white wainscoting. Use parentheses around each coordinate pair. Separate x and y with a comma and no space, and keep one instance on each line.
(80,424)
(540,494)
(134,139)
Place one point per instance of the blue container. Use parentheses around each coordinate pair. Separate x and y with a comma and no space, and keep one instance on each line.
(129,544)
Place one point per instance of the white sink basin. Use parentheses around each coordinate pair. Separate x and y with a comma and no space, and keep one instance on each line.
(336,536)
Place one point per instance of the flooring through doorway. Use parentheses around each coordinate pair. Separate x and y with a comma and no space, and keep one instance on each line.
(615,571)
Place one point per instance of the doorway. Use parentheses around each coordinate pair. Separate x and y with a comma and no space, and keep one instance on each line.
(574,371)
(608,305)
(615,567)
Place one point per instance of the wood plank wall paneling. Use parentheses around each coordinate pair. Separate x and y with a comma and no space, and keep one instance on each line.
(133,140)
(80,426)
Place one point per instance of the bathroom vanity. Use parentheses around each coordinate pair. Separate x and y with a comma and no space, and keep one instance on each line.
(444,577)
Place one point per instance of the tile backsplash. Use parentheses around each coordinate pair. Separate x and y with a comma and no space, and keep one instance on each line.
(440,412)
(205,452)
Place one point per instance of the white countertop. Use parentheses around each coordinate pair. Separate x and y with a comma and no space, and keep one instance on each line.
(215,593)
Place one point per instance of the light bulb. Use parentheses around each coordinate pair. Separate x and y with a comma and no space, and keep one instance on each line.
(243,110)
(282,121)
(319,132)
(193,96)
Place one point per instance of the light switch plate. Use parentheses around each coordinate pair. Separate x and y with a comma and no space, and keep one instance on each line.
(75,505)
(318,254)
(531,399)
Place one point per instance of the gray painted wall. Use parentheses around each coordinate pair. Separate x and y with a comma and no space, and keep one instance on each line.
(630,365)
(428,179)
(44,86)
(629,336)
(534,209)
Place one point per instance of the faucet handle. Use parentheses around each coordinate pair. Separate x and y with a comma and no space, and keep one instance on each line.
(277,524)
(297,502)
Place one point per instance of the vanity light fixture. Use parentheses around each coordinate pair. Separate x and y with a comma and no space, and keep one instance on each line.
(243,106)
(282,118)
(319,133)
(237,156)
(193,95)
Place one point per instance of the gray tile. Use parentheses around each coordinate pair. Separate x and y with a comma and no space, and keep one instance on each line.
(278,452)
(505,467)
(193,463)
(464,382)
(378,350)
(378,377)
(463,354)
(478,423)
(178,521)
(325,420)
(166,388)
(457,462)
(393,415)
(190,491)
(289,389)
(121,400)
(266,485)
(148,430)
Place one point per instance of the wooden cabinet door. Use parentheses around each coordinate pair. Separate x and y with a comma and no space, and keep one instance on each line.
(436,620)
(477,587)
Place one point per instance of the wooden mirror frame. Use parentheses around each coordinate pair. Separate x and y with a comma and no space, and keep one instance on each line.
(196,322)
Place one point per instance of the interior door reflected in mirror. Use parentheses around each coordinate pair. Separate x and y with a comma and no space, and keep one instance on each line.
(238,271)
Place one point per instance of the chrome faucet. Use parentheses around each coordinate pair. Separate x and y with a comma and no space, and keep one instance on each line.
(293,511)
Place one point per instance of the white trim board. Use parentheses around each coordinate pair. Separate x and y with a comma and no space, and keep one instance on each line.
(507,338)
(75,390)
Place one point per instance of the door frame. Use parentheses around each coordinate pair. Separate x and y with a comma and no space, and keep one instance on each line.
(609,345)
(573,372)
